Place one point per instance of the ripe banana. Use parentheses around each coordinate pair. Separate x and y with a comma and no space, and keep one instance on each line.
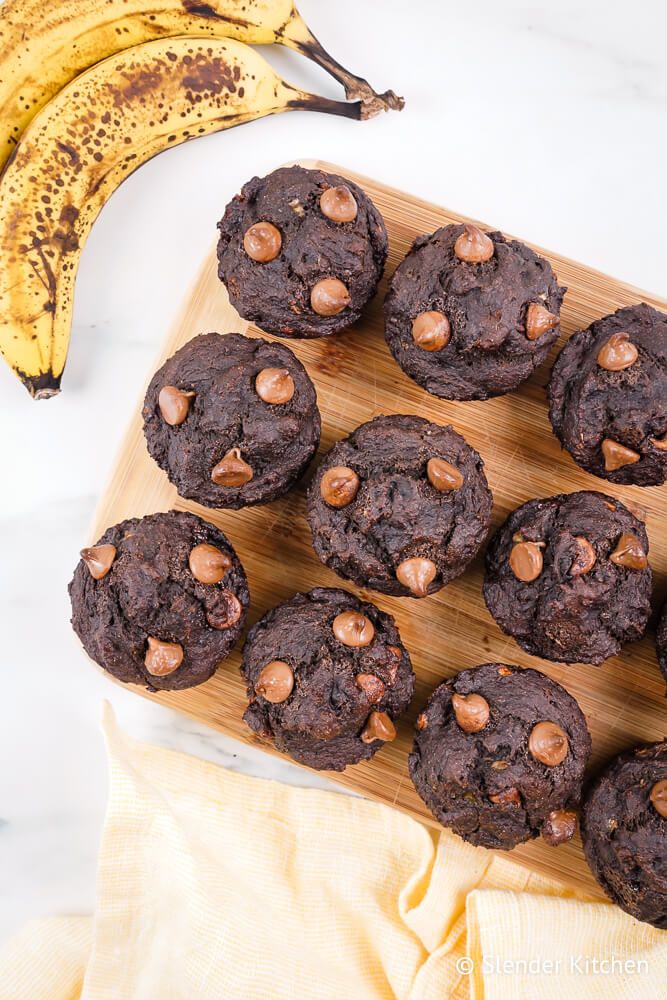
(44,44)
(87,140)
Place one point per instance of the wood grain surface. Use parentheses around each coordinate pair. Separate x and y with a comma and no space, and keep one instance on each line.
(356,379)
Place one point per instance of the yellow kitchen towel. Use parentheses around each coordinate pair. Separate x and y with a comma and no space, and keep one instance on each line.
(217,886)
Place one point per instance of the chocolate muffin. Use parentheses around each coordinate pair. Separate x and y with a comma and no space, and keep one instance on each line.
(661,641)
(159,600)
(608,397)
(401,506)
(499,756)
(327,678)
(624,830)
(301,252)
(470,314)
(568,577)
(232,420)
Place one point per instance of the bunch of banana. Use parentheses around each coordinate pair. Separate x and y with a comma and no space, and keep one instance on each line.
(88,139)
(44,44)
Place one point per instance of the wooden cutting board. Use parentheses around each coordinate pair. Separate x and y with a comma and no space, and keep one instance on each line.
(356,379)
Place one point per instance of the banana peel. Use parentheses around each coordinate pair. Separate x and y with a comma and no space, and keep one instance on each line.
(45,44)
(84,143)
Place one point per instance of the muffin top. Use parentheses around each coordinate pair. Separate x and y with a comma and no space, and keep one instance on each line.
(232,420)
(401,506)
(470,314)
(624,830)
(301,252)
(499,756)
(327,678)
(568,577)
(159,600)
(608,397)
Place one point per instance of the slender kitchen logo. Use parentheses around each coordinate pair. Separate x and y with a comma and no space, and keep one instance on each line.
(575,965)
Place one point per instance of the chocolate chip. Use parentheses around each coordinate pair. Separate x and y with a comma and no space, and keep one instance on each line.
(274,386)
(526,561)
(443,476)
(174,404)
(660,443)
(223,609)
(471,712)
(339,204)
(658,797)
(329,297)
(99,560)
(417,574)
(508,797)
(629,552)
(231,470)
(371,685)
(353,629)
(339,486)
(539,321)
(558,827)
(162,658)
(378,727)
(584,559)
(275,682)
(473,246)
(548,743)
(617,455)
(262,242)
(208,564)
(617,353)
(431,331)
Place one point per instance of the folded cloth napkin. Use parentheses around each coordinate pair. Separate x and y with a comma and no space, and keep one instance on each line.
(216,886)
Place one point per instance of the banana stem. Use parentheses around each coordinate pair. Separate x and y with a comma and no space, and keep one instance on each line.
(297,35)
(356,110)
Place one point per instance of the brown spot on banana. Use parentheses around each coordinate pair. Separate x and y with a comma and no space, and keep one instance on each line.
(210,76)
(69,151)
(196,9)
(52,196)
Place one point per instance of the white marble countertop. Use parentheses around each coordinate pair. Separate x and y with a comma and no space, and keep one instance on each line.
(546,120)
